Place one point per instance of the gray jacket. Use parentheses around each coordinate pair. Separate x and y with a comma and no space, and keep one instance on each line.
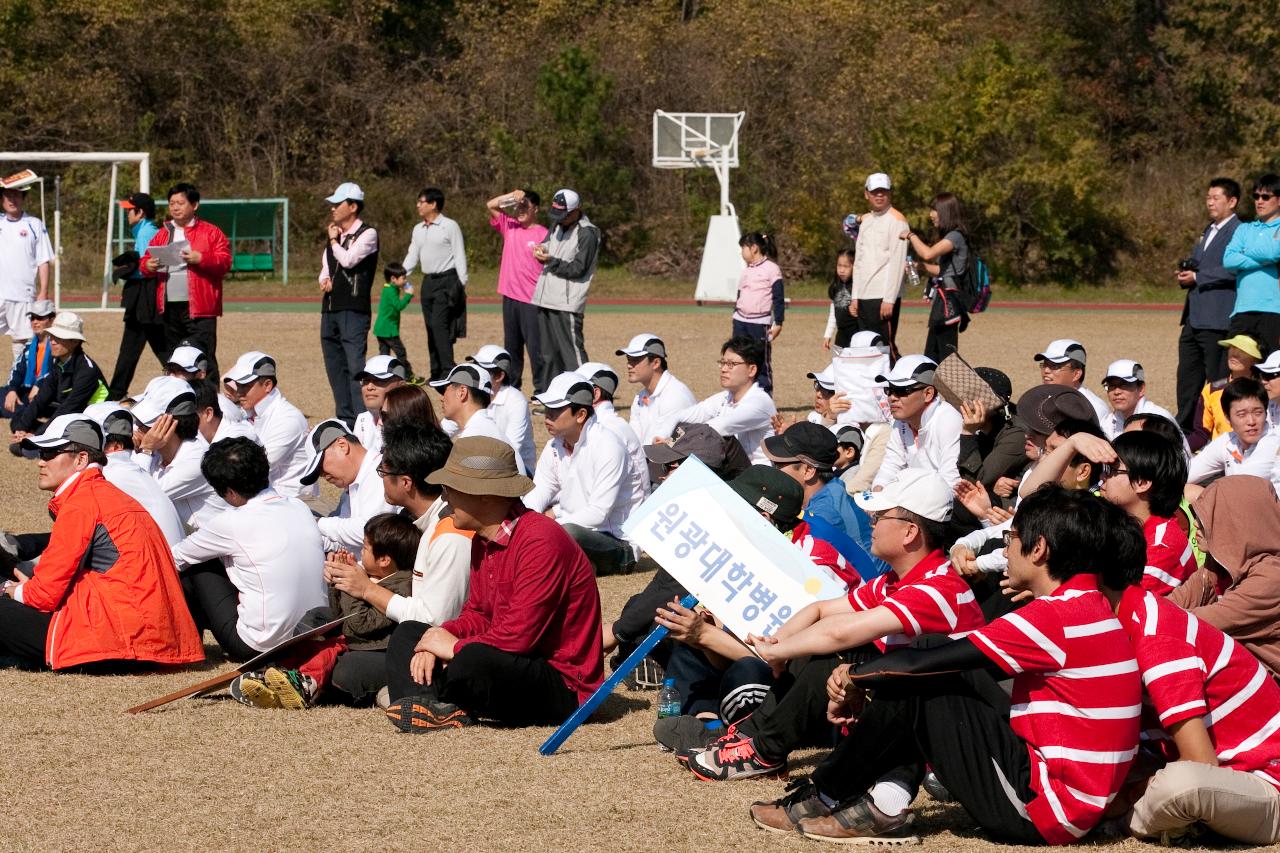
(1211,298)
(566,275)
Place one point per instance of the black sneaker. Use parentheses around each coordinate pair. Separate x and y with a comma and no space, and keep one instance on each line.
(933,785)
(416,715)
(860,822)
(784,814)
(685,732)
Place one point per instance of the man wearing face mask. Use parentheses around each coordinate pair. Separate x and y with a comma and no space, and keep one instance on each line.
(514,215)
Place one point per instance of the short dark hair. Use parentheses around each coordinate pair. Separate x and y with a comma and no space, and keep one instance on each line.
(395,269)
(433,195)
(1230,187)
(533,197)
(750,349)
(935,533)
(574,408)
(96,455)
(1150,457)
(1159,425)
(121,442)
(391,534)
(236,464)
(207,394)
(187,426)
(484,398)
(189,190)
(1072,525)
(1124,560)
(1244,388)
(415,449)
(1269,182)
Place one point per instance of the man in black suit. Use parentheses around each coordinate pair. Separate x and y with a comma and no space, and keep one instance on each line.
(1211,294)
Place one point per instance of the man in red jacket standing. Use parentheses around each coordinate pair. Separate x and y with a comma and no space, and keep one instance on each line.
(106,590)
(189,293)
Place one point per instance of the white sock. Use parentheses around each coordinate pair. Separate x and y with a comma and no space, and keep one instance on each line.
(890,797)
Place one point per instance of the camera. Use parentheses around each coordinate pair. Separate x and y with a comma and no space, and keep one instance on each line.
(1188,265)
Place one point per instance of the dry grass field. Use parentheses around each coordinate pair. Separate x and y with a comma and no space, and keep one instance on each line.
(211,774)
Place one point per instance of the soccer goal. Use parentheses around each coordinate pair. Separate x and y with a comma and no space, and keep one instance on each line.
(696,140)
(112,158)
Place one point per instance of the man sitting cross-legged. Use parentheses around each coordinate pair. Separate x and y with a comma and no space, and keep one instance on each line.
(921,595)
(526,648)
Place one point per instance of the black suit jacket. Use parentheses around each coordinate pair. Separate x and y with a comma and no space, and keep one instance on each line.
(1210,300)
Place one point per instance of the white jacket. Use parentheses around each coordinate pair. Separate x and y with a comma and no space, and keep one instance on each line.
(935,447)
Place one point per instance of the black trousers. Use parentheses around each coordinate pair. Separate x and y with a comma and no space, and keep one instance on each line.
(1200,360)
(438,294)
(758,332)
(136,337)
(486,682)
(23,631)
(869,321)
(560,337)
(180,327)
(393,344)
(1262,325)
(213,600)
(730,692)
(794,714)
(636,619)
(344,336)
(959,724)
(519,333)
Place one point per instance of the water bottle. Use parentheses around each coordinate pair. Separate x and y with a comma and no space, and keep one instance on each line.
(912,274)
(668,699)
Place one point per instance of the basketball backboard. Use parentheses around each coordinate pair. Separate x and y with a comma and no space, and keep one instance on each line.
(689,140)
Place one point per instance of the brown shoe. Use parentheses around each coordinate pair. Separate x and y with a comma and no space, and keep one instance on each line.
(860,822)
(782,815)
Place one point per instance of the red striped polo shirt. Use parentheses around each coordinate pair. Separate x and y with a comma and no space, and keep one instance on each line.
(930,599)
(1077,698)
(823,553)
(1170,560)
(1191,669)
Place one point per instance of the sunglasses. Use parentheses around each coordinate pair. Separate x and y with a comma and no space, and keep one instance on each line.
(1110,470)
(893,391)
(1263,196)
(49,454)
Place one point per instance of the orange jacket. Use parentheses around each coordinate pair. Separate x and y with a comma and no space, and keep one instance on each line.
(108,578)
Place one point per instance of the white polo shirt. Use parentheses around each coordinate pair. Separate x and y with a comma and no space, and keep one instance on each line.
(272,552)
(649,411)
(24,246)
(483,423)
(441,571)
(1114,424)
(639,477)
(235,429)
(750,420)
(510,410)
(1100,407)
(182,481)
(590,485)
(368,433)
(936,447)
(1224,456)
(121,472)
(362,500)
(282,431)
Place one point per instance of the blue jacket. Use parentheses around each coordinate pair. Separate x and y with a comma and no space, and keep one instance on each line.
(1254,252)
(1211,298)
(835,507)
(142,234)
(23,375)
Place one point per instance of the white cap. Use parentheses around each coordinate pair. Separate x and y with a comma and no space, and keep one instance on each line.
(67,326)
(321,436)
(470,375)
(564,202)
(164,394)
(910,370)
(600,374)
(346,191)
(188,359)
(825,378)
(644,344)
(868,339)
(251,366)
(1062,350)
(383,367)
(878,181)
(41,308)
(65,429)
(568,387)
(1271,366)
(1126,370)
(492,357)
(918,490)
(121,418)
(849,434)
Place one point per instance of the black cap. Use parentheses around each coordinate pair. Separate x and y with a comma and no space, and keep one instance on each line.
(722,454)
(997,381)
(805,442)
(769,490)
(142,202)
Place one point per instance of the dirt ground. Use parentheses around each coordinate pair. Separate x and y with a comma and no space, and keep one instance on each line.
(209,773)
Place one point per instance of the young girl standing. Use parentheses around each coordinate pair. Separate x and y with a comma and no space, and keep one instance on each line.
(758,312)
(842,319)
(947,263)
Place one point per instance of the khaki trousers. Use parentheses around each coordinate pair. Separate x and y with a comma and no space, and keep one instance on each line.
(1238,805)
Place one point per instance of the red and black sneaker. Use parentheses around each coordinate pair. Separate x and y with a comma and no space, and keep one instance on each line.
(419,714)
(737,759)
(730,735)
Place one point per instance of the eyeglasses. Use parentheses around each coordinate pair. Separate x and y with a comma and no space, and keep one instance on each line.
(1263,196)
(877,517)
(894,391)
(725,363)
(1110,470)
(1009,536)
(383,472)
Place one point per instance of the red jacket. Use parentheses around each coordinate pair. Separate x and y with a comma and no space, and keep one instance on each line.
(204,280)
(108,578)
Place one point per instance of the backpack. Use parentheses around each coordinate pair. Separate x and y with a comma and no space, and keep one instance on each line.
(975,287)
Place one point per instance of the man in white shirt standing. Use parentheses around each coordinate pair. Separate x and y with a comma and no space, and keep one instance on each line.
(510,408)
(926,428)
(605,381)
(169,446)
(336,454)
(743,409)
(437,249)
(582,476)
(281,428)
(347,271)
(1126,385)
(1063,363)
(381,373)
(25,256)
(879,261)
(661,393)
(120,470)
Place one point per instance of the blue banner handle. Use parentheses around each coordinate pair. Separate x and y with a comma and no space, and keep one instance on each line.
(587,708)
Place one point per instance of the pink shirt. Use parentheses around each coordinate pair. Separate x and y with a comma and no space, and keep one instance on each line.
(518,274)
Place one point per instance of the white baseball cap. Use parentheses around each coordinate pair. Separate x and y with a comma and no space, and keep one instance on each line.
(65,429)
(1271,366)
(600,374)
(909,371)
(878,181)
(1126,370)
(1062,350)
(564,202)
(868,339)
(568,387)
(188,359)
(918,490)
(164,395)
(321,436)
(825,378)
(114,418)
(250,366)
(347,191)
(644,344)
(383,367)
(470,375)
(492,357)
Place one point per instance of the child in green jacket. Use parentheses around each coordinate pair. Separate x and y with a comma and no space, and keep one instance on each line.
(397,293)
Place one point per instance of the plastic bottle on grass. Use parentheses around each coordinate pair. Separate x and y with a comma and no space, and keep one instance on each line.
(668,699)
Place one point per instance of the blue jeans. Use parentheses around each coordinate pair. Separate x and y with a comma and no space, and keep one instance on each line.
(344,336)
